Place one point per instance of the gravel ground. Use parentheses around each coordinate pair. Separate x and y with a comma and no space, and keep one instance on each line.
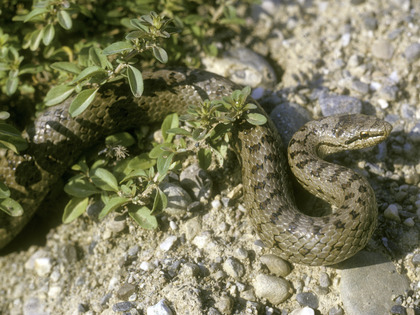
(328,57)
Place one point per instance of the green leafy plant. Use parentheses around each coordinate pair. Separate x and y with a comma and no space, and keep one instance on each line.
(133,184)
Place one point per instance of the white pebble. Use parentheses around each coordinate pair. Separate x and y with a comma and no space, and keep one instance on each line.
(42,266)
(159,309)
(216,204)
(146,266)
(274,289)
(391,213)
(173,225)
(382,103)
(168,243)
(303,311)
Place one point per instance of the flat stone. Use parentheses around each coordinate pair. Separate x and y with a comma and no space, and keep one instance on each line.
(412,52)
(368,283)
(307,299)
(382,49)
(332,104)
(276,265)
(276,290)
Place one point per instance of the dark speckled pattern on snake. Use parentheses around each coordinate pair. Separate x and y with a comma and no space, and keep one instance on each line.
(56,141)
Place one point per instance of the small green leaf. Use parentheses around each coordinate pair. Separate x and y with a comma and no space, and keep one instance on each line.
(179,131)
(64,19)
(160,54)
(11,85)
(11,138)
(11,207)
(256,119)
(66,66)
(122,138)
(36,39)
(87,73)
(112,204)
(82,101)
(4,191)
(141,161)
(135,80)
(117,48)
(49,34)
(81,165)
(137,24)
(34,13)
(204,158)
(143,217)
(79,186)
(4,66)
(97,57)
(74,209)
(170,121)
(104,179)
(4,115)
(161,201)
(164,162)
(157,150)
(58,94)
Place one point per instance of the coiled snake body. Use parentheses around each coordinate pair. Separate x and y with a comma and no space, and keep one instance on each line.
(56,141)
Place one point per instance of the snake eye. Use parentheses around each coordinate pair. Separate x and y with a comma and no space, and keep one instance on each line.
(364,135)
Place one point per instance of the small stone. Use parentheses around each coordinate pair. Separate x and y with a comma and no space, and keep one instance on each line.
(146,266)
(133,250)
(178,198)
(307,299)
(339,104)
(168,243)
(233,268)
(412,52)
(370,22)
(196,181)
(388,92)
(360,87)
(116,225)
(43,266)
(416,260)
(324,280)
(382,49)
(398,310)
(225,304)
(122,306)
(414,134)
(249,295)
(276,265)
(190,270)
(241,253)
(391,213)
(276,290)
(192,228)
(33,306)
(82,308)
(409,222)
(216,204)
(125,291)
(303,311)
(336,310)
(161,308)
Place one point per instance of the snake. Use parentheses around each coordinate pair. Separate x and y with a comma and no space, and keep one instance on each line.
(56,140)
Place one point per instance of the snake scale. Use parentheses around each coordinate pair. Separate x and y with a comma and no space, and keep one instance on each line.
(56,141)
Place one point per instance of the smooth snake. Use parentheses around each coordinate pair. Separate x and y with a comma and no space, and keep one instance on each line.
(56,141)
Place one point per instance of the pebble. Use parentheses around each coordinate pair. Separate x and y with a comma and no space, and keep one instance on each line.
(146,266)
(178,198)
(398,310)
(307,299)
(125,291)
(288,118)
(336,310)
(276,265)
(122,306)
(414,134)
(412,52)
(339,104)
(303,311)
(382,49)
(243,66)
(324,280)
(42,266)
(192,228)
(360,87)
(161,308)
(276,290)
(197,182)
(225,304)
(168,243)
(33,306)
(388,92)
(409,222)
(391,213)
(233,268)
(416,260)
(362,275)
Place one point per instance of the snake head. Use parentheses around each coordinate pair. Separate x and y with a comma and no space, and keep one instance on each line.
(350,132)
